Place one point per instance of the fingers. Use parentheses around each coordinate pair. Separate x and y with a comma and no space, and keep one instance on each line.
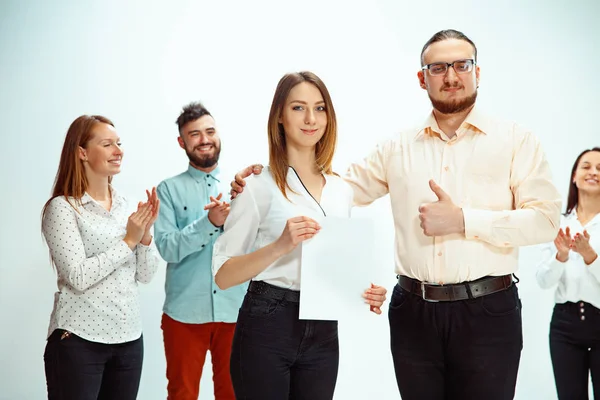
(210,205)
(237,187)
(302,218)
(246,172)
(586,235)
(375,310)
(375,297)
(439,192)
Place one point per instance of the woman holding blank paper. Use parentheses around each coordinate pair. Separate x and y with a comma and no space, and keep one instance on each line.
(276,355)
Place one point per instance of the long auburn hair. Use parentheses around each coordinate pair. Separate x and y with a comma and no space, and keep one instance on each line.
(71,180)
(325,148)
(573,197)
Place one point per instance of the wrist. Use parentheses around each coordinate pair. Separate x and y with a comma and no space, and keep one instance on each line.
(562,257)
(146,240)
(130,243)
(590,257)
(213,223)
(279,249)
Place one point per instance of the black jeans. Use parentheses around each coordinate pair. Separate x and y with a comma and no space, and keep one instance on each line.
(466,349)
(77,369)
(276,356)
(575,349)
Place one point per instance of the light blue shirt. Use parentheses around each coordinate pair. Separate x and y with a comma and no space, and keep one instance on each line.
(184,237)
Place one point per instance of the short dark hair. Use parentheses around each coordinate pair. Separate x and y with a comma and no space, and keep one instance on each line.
(191,112)
(445,35)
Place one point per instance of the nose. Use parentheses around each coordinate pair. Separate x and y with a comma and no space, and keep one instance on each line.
(451,76)
(118,150)
(309,118)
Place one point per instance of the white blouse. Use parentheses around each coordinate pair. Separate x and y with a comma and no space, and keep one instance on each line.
(259,214)
(98,274)
(576,281)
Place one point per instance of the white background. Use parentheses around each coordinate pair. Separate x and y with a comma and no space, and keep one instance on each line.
(139,62)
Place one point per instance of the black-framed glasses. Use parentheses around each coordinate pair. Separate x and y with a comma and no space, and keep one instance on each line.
(460,67)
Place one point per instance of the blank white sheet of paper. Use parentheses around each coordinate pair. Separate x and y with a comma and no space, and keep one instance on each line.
(338,264)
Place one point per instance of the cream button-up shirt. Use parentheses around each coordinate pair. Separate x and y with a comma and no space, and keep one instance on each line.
(496,171)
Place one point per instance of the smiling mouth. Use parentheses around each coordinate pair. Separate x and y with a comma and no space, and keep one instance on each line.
(204,148)
(309,132)
(115,162)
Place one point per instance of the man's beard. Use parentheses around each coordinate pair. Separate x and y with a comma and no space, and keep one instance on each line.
(453,106)
(205,161)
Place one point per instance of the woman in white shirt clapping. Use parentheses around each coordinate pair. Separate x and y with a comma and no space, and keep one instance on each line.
(572,263)
(275,355)
(94,348)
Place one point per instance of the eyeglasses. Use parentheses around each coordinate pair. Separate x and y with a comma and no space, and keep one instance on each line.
(440,68)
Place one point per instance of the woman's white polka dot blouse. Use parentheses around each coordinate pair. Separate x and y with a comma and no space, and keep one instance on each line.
(98,274)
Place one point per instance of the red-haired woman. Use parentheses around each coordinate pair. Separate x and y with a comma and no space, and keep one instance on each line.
(101,251)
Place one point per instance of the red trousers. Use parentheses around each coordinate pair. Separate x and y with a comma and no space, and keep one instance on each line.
(185,349)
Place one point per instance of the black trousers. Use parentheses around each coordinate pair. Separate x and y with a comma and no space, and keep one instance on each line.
(575,349)
(77,369)
(276,356)
(467,349)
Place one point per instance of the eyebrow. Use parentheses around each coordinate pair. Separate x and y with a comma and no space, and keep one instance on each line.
(212,128)
(303,102)
(110,140)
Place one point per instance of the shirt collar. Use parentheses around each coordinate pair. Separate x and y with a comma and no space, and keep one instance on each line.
(573,215)
(116,198)
(201,175)
(476,120)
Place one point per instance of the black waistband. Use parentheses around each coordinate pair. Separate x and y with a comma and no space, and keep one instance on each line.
(274,292)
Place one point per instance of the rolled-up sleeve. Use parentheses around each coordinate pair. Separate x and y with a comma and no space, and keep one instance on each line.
(240,229)
(537,202)
(368,177)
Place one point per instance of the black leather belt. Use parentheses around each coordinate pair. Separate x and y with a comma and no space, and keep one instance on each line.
(274,292)
(457,291)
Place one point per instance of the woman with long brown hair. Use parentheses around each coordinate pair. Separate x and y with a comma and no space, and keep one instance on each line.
(94,348)
(571,264)
(275,355)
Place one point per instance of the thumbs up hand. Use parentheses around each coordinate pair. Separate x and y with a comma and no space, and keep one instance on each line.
(442,217)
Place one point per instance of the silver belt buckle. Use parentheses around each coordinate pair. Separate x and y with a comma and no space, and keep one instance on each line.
(424,296)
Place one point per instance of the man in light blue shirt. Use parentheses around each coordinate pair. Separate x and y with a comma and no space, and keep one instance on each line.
(197,315)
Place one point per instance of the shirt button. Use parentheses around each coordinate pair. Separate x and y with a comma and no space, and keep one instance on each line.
(214,292)
(583,317)
(582,310)
(209,184)
(446,168)
(440,254)
(581,304)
